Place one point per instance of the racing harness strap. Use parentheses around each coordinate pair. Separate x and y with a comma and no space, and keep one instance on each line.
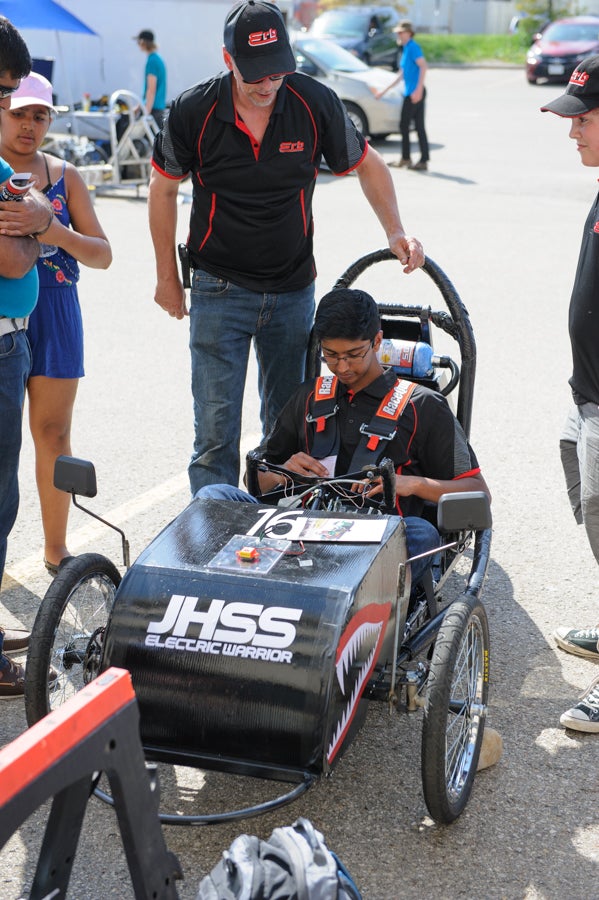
(375,435)
(323,410)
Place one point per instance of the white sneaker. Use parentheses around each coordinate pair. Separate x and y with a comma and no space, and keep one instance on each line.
(585,715)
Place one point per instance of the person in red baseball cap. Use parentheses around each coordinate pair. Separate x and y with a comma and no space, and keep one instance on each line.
(579,443)
(253,138)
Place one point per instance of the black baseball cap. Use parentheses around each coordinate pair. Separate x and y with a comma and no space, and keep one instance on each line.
(256,37)
(582,93)
(144,36)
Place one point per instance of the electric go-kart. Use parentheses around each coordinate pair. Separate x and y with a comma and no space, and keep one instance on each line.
(254,633)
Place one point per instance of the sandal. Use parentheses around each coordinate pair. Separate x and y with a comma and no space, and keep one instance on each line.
(54,568)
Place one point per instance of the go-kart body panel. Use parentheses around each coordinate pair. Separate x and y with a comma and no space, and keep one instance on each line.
(255,672)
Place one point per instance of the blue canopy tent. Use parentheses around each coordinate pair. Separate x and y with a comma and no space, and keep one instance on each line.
(42,14)
(45,15)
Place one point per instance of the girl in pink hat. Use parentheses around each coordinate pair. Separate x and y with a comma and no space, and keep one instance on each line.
(55,328)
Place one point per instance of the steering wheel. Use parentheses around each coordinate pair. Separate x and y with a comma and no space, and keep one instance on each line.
(313,492)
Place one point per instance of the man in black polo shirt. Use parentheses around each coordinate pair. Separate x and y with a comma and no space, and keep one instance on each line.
(579,444)
(430,452)
(253,139)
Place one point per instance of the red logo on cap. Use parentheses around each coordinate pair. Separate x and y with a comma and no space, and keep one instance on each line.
(259,38)
(596,228)
(579,78)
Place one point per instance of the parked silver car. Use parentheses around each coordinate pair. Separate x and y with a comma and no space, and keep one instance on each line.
(354,82)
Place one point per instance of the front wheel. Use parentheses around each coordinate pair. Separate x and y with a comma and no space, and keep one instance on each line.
(455,709)
(357,117)
(68,632)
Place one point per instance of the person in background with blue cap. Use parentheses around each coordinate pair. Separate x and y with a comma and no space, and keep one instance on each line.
(253,138)
(579,444)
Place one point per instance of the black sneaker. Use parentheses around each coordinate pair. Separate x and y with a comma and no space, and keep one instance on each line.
(585,715)
(579,641)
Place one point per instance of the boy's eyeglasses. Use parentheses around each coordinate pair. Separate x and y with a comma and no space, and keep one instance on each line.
(353,356)
(6,91)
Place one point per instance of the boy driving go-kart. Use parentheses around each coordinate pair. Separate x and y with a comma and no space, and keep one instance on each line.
(253,631)
(360,414)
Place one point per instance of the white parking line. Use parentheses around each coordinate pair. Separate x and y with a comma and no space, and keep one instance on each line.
(85,536)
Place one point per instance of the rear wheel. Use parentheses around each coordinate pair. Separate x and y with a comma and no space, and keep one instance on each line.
(455,709)
(68,632)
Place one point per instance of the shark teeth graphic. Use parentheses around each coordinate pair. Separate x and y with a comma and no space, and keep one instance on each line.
(364,631)
(351,650)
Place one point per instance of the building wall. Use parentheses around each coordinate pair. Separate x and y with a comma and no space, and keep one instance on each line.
(461,16)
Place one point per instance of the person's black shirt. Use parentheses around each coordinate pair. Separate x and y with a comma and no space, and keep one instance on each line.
(251,219)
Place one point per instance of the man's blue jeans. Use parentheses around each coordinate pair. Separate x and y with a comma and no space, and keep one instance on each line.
(421,536)
(223,320)
(15,365)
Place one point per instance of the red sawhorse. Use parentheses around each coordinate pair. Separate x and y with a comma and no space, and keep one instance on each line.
(97,730)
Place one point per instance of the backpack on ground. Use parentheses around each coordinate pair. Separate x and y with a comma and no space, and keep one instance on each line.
(293,864)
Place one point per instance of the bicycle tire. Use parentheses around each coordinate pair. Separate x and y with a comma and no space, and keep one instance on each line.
(72,615)
(455,709)
(93,156)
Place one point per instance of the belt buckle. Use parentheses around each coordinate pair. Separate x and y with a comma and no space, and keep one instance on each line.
(310,418)
(364,429)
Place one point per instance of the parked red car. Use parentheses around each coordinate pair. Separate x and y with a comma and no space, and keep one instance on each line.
(557,51)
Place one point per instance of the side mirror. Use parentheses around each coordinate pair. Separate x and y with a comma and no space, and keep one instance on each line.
(78,477)
(75,476)
(468,511)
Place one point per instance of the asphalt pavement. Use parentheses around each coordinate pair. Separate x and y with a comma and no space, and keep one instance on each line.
(501,210)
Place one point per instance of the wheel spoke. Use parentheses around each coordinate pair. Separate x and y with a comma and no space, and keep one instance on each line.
(464,710)
(87,609)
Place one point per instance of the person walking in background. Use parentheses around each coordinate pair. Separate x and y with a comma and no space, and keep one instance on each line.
(579,444)
(18,295)
(413,73)
(253,137)
(154,89)
(55,328)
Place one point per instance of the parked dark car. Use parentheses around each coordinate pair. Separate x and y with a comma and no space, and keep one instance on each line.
(557,51)
(366,31)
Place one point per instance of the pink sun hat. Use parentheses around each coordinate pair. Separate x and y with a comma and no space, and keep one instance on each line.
(35,90)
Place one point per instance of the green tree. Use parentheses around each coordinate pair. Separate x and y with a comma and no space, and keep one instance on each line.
(539,12)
